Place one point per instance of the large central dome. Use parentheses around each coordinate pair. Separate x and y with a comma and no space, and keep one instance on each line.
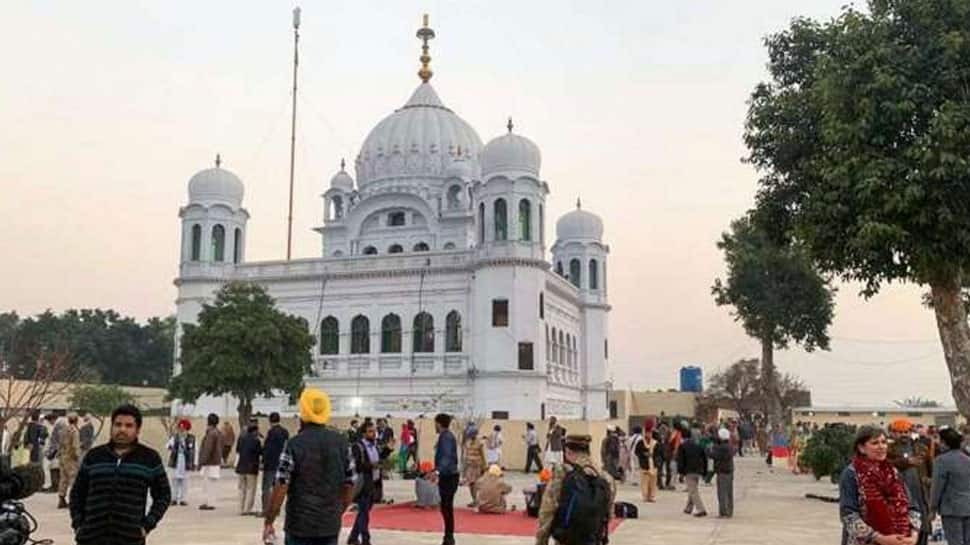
(420,139)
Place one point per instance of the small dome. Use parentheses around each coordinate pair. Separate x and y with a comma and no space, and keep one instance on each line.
(579,225)
(342,180)
(511,155)
(216,185)
(459,168)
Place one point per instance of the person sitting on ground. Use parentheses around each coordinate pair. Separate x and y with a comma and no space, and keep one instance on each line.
(492,490)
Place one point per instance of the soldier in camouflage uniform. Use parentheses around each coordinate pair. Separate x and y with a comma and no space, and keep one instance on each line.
(576,458)
(68,457)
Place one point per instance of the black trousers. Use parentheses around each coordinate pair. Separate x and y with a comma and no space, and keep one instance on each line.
(447,486)
(533,455)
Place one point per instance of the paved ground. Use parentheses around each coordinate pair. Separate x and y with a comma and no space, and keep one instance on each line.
(770,508)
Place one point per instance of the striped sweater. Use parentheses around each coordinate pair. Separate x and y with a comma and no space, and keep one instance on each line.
(109,497)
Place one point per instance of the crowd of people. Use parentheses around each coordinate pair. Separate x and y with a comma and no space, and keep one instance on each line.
(899,480)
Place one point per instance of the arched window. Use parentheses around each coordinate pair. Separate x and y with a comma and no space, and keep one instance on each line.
(423,334)
(575,270)
(542,305)
(501,220)
(360,335)
(395,249)
(453,332)
(454,197)
(449,246)
(569,350)
(391,334)
(575,354)
(542,226)
(481,223)
(421,247)
(329,336)
(237,246)
(562,348)
(525,219)
(338,206)
(370,250)
(218,243)
(548,345)
(594,275)
(555,347)
(337,253)
(196,242)
(396,219)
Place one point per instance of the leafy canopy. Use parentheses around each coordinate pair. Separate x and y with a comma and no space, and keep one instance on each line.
(242,346)
(775,289)
(99,400)
(861,137)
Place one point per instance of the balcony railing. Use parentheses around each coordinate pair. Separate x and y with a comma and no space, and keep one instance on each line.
(390,365)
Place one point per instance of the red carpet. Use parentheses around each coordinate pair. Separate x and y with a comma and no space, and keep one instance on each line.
(408,518)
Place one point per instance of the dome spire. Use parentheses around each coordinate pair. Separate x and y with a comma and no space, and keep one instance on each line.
(425,34)
(579,204)
(218,160)
(343,164)
(510,125)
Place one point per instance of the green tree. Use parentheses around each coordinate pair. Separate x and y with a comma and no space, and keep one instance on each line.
(99,400)
(242,346)
(861,137)
(778,296)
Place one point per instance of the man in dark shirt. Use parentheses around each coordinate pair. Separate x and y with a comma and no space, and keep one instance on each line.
(446,472)
(692,465)
(109,497)
(315,476)
(36,435)
(248,451)
(276,439)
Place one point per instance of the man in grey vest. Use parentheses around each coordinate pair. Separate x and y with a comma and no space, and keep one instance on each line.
(315,476)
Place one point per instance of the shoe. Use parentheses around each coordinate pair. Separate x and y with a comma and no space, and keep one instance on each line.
(472,505)
(183,503)
(205,507)
(174,503)
(701,514)
(353,541)
(61,503)
(686,511)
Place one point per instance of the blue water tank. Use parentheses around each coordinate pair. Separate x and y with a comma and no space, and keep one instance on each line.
(691,379)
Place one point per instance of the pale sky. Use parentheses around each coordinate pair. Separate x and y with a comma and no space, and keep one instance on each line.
(108,108)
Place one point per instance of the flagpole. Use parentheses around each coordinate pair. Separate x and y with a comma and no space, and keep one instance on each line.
(296,62)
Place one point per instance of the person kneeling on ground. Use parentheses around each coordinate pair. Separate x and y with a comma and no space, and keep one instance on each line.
(492,490)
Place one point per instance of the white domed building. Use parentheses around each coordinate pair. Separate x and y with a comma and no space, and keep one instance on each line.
(433,291)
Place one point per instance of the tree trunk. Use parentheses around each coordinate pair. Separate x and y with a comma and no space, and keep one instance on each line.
(951,320)
(769,381)
(244,410)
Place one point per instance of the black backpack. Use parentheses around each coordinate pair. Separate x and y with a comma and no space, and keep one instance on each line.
(584,510)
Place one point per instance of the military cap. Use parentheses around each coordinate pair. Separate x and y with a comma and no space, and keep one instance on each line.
(581,441)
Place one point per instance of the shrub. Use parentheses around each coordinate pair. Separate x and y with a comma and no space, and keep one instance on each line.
(828,450)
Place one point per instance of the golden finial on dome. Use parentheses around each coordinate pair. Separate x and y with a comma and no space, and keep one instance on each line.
(218,160)
(579,204)
(424,34)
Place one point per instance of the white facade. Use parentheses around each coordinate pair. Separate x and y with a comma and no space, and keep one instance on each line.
(436,225)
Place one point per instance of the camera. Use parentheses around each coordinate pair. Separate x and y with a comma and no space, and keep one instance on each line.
(16,523)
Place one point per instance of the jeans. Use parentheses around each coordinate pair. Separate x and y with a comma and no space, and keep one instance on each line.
(269,475)
(179,488)
(447,486)
(361,527)
(533,455)
(725,494)
(293,540)
(956,530)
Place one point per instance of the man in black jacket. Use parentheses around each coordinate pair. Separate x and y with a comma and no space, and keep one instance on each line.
(276,439)
(368,455)
(248,451)
(315,476)
(109,497)
(692,464)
